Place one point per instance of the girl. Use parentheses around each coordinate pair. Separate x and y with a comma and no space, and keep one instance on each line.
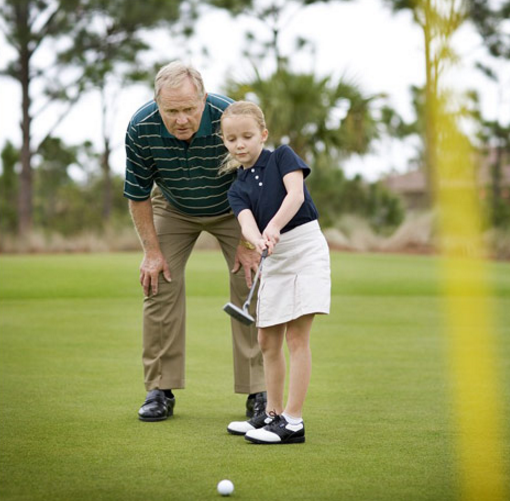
(276,212)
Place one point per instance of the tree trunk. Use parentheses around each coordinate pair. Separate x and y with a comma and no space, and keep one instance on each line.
(430,109)
(105,159)
(25,189)
(107,182)
(496,186)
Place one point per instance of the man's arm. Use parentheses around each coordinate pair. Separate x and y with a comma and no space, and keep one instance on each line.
(153,262)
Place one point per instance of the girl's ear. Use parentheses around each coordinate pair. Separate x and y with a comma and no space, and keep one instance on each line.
(264,135)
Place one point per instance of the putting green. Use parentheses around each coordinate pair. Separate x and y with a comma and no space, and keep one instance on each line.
(378,416)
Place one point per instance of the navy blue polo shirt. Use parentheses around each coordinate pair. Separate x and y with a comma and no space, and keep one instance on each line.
(261,188)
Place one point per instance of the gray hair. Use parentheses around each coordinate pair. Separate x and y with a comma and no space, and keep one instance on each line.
(173,74)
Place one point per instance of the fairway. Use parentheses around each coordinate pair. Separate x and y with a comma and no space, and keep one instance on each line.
(378,412)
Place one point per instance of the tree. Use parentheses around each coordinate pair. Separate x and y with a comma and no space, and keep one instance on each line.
(53,160)
(9,189)
(109,48)
(489,21)
(496,144)
(64,205)
(274,16)
(335,195)
(324,120)
(90,41)
(27,25)
(312,114)
(439,20)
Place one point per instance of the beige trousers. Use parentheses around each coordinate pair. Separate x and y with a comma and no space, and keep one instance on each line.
(164,314)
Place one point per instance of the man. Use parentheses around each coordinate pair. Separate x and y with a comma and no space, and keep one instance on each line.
(173,142)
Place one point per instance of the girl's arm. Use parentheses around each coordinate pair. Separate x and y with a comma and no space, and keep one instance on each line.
(251,231)
(294,184)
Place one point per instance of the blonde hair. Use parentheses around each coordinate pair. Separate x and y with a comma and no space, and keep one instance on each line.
(238,108)
(173,74)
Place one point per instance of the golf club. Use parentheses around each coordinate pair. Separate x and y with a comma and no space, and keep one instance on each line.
(242,314)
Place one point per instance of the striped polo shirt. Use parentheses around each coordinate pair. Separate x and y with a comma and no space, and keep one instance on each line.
(186,173)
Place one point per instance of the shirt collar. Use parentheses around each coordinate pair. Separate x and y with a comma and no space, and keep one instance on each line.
(260,163)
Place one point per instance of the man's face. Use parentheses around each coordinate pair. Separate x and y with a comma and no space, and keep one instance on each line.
(181,109)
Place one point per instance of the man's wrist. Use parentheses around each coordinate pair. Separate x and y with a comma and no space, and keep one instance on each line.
(246,244)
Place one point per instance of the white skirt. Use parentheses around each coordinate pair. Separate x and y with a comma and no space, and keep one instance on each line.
(296,278)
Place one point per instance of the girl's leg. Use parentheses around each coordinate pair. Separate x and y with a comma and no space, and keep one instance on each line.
(271,345)
(297,338)
(284,429)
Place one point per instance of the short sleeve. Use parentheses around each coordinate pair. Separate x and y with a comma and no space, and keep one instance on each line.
(237,201)
(139,167)
(288,161)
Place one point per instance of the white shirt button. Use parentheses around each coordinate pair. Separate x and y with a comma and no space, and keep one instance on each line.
(256,177)
(260,184)
(252,170)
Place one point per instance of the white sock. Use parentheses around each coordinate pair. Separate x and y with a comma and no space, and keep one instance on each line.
(292,420)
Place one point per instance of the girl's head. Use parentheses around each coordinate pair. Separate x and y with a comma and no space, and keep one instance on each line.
(244,133)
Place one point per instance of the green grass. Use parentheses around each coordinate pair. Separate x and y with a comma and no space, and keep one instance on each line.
(379,425)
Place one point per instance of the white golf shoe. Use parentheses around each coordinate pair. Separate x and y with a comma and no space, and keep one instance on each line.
(279,431)
(242,427)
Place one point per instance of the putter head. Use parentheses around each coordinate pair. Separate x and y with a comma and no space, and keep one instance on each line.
(238,314)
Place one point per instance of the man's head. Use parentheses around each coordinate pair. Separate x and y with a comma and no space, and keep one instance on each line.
(180,96)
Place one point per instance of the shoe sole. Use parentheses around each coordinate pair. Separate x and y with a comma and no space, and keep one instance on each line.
(296,440)
(154,420)
(238,433)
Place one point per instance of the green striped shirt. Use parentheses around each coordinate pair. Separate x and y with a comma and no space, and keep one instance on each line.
(187,173)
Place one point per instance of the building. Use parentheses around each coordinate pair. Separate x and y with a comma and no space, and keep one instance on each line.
(411,187)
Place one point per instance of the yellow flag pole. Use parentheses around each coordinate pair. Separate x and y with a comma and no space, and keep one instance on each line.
(470,328)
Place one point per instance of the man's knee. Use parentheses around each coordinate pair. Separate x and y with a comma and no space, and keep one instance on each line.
(168,294)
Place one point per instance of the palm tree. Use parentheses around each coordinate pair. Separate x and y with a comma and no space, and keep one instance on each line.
(312,114)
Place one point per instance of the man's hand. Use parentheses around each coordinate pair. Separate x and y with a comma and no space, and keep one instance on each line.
(151,267)
(153,262)
(249,260)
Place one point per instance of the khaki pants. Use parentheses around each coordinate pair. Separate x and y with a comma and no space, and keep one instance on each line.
(164,314)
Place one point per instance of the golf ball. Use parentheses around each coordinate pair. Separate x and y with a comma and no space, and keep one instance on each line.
(225,487)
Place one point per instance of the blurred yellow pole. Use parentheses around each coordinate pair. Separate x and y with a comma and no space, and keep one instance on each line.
(471,333)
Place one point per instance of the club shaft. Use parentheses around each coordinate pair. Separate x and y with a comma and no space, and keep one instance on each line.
(256,278)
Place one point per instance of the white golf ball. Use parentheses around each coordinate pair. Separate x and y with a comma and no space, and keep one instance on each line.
(225,487)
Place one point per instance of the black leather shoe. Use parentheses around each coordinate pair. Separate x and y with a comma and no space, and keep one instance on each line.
(156,407)
(256,405)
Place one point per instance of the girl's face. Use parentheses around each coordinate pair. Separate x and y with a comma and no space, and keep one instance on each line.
(243,138)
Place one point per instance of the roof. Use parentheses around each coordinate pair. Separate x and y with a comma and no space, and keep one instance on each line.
(414,181)
(410,182)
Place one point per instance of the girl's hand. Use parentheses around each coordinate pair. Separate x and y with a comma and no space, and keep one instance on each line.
(262,244)
(271,234)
